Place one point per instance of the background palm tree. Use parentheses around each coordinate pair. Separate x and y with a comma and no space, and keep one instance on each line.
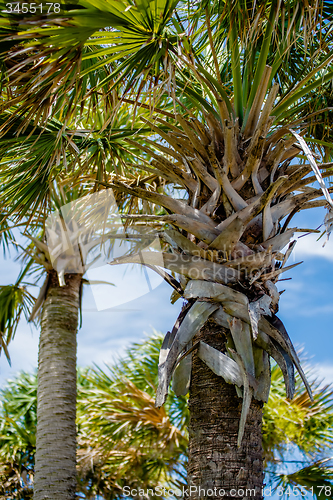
(229,147)
(39,176)
(123,440)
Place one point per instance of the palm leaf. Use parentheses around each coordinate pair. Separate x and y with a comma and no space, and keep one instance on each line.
(14,300)
(316,478)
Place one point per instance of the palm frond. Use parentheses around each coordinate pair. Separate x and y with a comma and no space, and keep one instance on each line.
(316,478)
(14,300)
(138,44)
(299,422)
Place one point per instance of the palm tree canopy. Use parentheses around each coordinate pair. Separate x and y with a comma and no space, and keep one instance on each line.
(231,91)
(155,44)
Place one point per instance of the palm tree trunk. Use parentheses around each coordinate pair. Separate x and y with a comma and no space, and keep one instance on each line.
(215,461)
(55,476)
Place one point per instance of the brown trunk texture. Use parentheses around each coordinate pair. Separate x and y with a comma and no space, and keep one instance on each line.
(55,461)
(216,464)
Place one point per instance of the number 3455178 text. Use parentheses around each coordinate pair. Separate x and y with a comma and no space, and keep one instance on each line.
(32,8)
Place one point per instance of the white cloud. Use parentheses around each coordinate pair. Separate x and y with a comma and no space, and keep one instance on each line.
(324,371)
(308,246)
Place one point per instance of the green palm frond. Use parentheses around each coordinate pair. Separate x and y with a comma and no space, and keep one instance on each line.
(43,168)
(300,422)
(14,300)
(18,436)
(137,44)
(6,235)
(316,478)
(88,51)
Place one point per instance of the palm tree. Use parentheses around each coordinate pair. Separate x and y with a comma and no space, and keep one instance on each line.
(123,440)
(227,240)
(38,174)
(237,88)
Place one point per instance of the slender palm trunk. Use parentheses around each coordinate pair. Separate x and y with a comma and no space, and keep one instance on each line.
(215,461)
(55,476)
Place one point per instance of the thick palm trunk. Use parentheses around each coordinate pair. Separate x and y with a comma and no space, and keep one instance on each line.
(215,461)
(55,476)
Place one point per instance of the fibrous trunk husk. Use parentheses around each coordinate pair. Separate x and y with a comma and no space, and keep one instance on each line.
(215,460)
(55,476)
